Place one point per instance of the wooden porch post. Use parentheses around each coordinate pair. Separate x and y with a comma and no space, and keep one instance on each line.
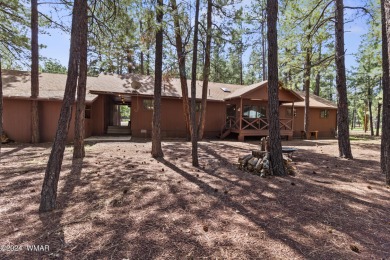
(240,113)
(240,136)
(293,115)
(292,121)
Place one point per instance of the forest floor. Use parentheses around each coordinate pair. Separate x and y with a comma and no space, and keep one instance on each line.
(119,203)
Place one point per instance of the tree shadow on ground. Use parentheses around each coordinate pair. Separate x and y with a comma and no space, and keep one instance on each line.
(47,228)
(128,205)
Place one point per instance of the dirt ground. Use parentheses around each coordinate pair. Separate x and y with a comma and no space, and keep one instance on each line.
(119,203)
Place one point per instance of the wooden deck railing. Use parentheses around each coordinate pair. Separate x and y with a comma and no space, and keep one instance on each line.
(231,123)
(286,123)
(255,124)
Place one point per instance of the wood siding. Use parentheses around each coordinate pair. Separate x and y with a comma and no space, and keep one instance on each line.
(172,118)
(325,126)
(17,120)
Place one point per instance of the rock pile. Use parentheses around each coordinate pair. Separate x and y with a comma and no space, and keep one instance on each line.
(259,163)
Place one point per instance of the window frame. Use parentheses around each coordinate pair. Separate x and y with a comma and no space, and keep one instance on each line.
(292,113)
(148,107)
(324,113)
(88,111)
(259,111)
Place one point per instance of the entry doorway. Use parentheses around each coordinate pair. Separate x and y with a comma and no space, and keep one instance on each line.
(119,119)
(121,115)
(124,114)
(231,110)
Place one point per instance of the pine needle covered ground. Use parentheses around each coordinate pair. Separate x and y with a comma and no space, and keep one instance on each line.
(119,203)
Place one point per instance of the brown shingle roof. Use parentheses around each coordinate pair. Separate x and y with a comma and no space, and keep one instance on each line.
(17,84)
(315,101)
(144,85)
(243,90)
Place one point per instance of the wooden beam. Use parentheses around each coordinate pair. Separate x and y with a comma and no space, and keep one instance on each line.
(293,115)
(241,113)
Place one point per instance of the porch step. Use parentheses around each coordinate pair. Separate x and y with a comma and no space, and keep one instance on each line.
(225,134)
(118,130)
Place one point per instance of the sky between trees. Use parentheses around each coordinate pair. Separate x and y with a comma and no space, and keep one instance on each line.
(57,42)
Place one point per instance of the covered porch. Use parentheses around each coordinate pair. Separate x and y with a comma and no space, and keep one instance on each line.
(244,126)
(247,112)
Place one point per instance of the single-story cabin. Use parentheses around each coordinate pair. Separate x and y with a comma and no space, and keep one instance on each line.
(322,116)
(230,108)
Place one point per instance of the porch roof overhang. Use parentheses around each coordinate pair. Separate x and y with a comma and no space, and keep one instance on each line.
(259,91)
(88,100)
(135,93)
(314,102)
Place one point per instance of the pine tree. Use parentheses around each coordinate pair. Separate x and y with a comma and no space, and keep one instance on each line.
(385,144)
(181,60)
(156,131)
(34,73)
(342,104)
(194,136)
(1,102)
(52,173)
(273,89)
(206,72)
(79,128)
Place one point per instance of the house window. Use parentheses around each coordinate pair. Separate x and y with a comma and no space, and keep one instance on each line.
(324,113)
(253,111)
(88,109)
(289,112)
(148,104)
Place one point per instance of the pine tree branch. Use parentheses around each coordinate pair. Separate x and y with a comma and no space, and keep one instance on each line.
(365,10)
(49,19)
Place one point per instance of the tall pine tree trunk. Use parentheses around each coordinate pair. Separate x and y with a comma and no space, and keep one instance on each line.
(206,72)
(52,173)
(241,64)
(142,53)
(1,103)
(385,144)
(129,59)
(307,75)
(182,68)
(378,119)
(263,47)
(370,107)
(79,129)
(273,90)
(34,73)
(148,61)
(341,84)
(318,76)
(156,130)
(194,134)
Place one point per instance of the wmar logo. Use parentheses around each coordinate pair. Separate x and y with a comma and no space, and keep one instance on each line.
(38,248)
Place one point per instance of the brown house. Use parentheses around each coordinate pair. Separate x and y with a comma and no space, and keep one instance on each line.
(108,92)
(322,116)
